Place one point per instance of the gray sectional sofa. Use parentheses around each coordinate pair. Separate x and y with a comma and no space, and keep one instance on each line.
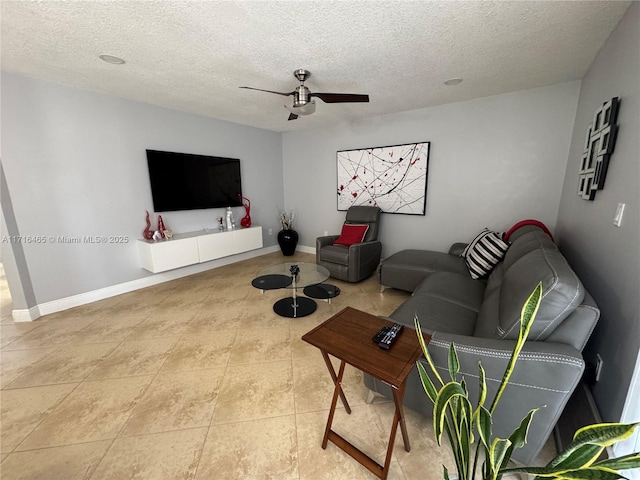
(481,317)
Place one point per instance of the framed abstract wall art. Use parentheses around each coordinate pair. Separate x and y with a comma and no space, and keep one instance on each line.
(393,178)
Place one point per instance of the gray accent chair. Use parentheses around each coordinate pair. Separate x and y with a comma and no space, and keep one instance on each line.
(358,261)
(481,317)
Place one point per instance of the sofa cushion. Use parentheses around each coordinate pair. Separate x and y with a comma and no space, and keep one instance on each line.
(405,270)
(562,292)
(484,253)
(524,240)
(351,234)
(499,316)
(334,254)
(576,329)
(444,301)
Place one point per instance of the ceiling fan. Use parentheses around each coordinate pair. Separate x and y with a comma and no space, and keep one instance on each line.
(303,98)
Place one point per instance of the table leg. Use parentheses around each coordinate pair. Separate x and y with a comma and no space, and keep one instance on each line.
(398,395)
(398,418)
(295,297)
(381,471)
(338,384)
(334,401)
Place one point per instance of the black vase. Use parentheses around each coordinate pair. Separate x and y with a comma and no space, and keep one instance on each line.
(288,240)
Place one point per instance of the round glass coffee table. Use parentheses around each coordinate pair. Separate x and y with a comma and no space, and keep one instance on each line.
(301,275)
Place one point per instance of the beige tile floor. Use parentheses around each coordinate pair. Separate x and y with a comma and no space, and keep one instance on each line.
(196,378)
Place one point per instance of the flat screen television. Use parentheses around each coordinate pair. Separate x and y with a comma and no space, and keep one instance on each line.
(182,181)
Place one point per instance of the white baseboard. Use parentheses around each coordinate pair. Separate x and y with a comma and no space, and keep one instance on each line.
(46,308)
(304,249)
(26,315)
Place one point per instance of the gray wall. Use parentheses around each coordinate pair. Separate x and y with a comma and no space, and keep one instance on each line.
(606,257)
(493,161)
(75,165)
(12,254)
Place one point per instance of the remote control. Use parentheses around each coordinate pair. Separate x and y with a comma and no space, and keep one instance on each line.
(377,338)
(391,336)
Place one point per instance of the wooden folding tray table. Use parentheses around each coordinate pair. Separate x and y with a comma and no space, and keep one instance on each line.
(348,337)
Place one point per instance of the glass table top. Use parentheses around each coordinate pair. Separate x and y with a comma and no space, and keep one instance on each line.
(310,273)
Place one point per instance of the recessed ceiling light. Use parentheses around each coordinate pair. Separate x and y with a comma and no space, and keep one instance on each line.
(453,81)
(111,59)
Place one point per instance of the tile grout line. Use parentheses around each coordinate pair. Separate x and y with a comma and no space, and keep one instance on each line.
(295,403)
(242,297)
(213,410)
(44,418)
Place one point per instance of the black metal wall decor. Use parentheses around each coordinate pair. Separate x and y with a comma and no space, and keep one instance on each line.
(598,147)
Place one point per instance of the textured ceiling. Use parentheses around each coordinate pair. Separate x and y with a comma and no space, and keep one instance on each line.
(193,55)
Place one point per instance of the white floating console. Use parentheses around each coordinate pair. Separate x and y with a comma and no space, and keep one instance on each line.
(196,247)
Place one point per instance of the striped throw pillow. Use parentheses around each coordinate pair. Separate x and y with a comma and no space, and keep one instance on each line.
(484,253)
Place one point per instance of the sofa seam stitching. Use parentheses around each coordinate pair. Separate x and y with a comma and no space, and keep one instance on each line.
(550,358)
(512,383)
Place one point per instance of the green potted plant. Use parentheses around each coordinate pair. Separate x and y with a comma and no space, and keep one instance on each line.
(454,415)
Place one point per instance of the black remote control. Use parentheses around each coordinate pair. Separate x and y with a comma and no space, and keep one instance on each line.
(377,338)
(391,336)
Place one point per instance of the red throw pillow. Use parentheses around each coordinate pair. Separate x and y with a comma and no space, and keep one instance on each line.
(530,221)
(351,233)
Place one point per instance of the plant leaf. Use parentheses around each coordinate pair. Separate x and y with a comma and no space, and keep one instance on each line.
(580,457)
(427,384)
(497,452)
(527,315)
(465,441)
(425,352)
(604,434)
(454,363)
(483,422)
(591,474)
(452,442)
(519,436)
(626,462)
(445,395)
(482,390)
(586,474)
(463,384)
(600,435)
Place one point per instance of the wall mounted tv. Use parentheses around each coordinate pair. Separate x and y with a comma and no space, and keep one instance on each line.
(182,181)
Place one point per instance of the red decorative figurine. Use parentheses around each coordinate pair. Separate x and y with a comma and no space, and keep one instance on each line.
(246,220)
(161,226)
(147,233)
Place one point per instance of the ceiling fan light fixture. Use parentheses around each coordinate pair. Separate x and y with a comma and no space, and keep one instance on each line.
(303,99)
(306,109)
(453,81)
(111,59)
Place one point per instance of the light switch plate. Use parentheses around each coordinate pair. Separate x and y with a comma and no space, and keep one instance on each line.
(617,220)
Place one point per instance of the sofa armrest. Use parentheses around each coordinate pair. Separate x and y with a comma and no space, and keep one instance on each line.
(544,377)
(323,242)
(326,240)
(537,360)
(457,248)
(364,259)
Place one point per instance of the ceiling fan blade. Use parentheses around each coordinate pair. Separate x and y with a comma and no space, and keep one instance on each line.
(292,116)
(269,91)
(340,97)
